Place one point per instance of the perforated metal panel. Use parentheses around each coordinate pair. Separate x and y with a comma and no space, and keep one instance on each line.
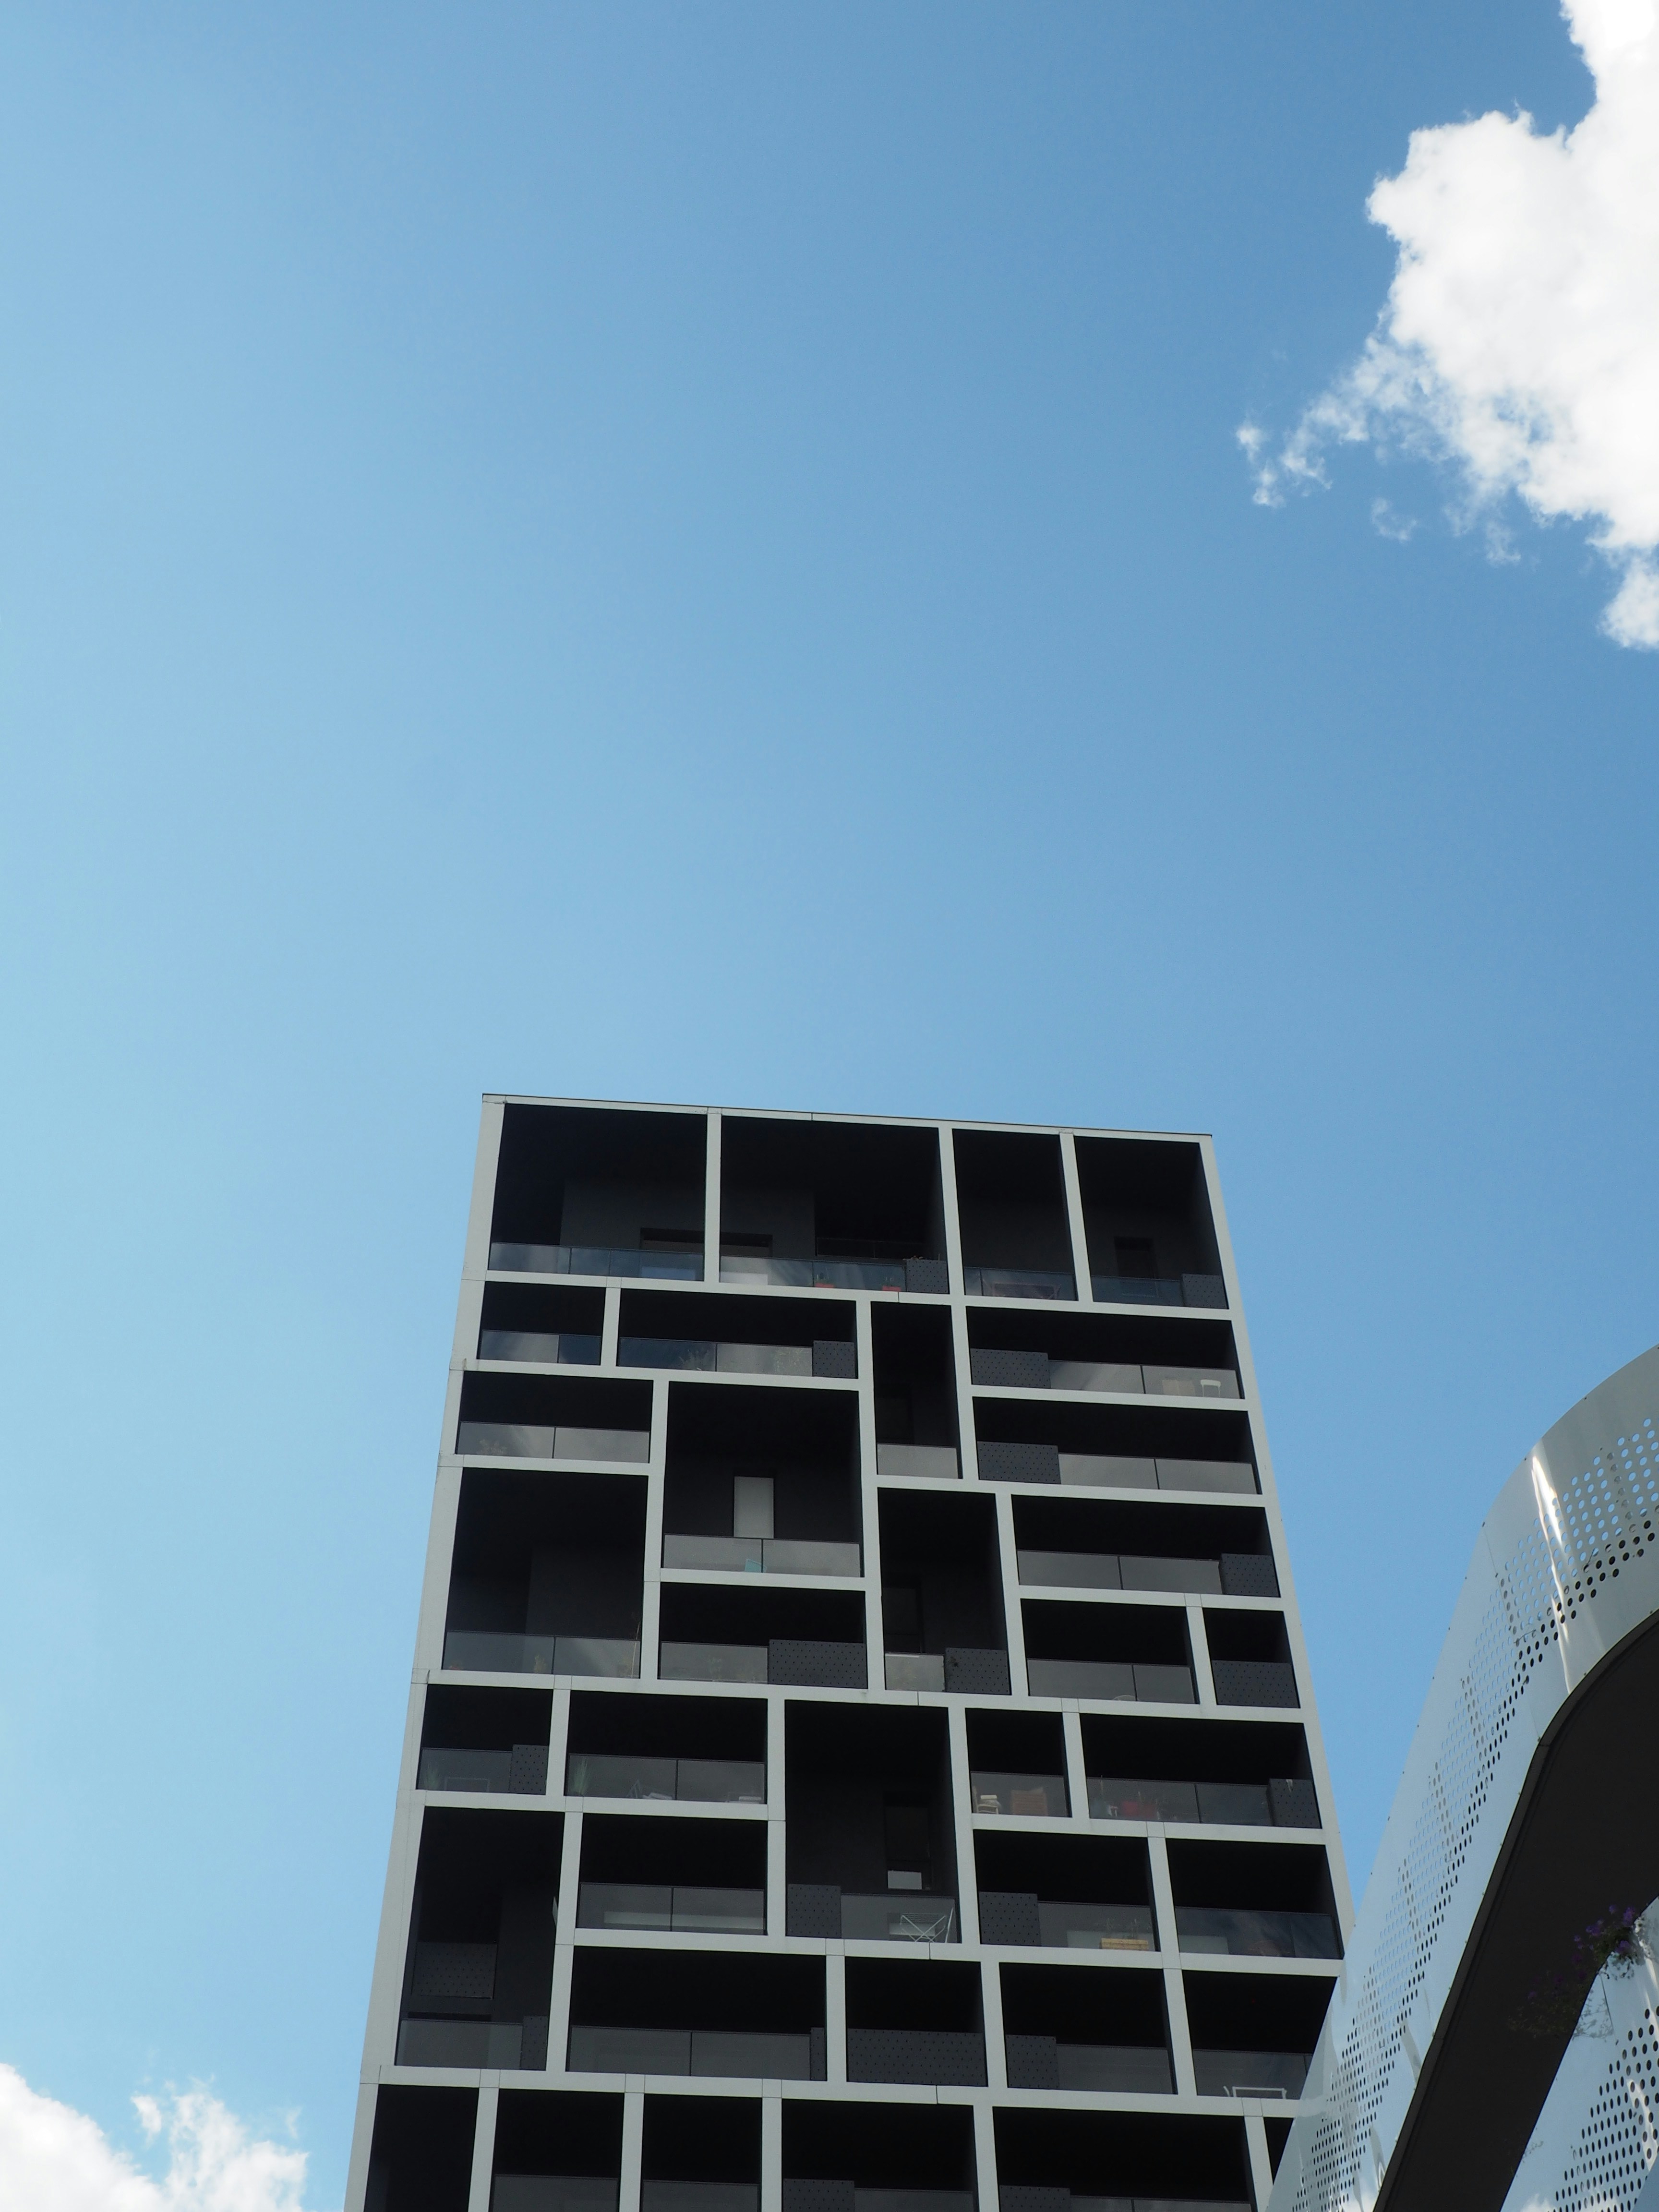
(1563,1570)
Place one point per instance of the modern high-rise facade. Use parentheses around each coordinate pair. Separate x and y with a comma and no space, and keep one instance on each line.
(860,1753)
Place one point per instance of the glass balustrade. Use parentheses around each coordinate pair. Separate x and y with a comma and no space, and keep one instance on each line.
(691,1781)
(1096,1927)
(835,1271)
(930,1462)
(695,2196)
(712,1662)
(486,1651)
(907,1917)
(468,2043)
(478,1771)
(1247,1934)
(1125,2068)
(524,1440)
(553,2192)
(666,1267)
(1043,1795)
(756,1555)
(617,1904)
(1018,1282)
(690,2050)
(1219,1804)
(913,1670)
(1110,1681)
(1138,1290)
(529,1348)
(1272,2074)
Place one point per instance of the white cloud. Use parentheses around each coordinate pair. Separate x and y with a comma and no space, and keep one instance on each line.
(53,2159)
(1520,340)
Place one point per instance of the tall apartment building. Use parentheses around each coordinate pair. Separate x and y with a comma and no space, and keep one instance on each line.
(860,1754)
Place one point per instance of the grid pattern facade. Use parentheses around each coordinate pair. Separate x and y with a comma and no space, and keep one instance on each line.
(860,1754)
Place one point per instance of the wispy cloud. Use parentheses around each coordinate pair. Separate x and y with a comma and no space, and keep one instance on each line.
(1519,344)
(53,2159)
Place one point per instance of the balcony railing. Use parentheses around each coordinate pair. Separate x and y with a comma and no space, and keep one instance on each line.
(1007,1916)
(762,1555)
(1042,2061)
(688,2197)
(1247,1934)
(528,1348)
(1255,1682)
(1250,2073)
(697,2050)
(1160,1290)
(931,1462)
(521,1771)
(685,1267)
(969,1669)
(1281,1803)
(997,1370)
(824,1910)
(1002,1461)
(560,2192)
(792,1662)
(618,1905)
(1234,1574)
(472,2043)
(952,2057)
(485,1652)
(1040,1795)
(688,1781)
(1112,1681)
(825,1271)
(523,1440)
(825,1359)
(1019,1283)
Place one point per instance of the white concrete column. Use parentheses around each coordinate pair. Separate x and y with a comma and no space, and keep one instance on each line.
(1080,1257)
(483,2143)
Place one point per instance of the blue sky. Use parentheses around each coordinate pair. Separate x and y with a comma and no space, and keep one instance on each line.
(701,552)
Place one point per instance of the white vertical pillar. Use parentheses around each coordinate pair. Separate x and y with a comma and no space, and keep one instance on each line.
(771,2172)
(610,1326)
(835,2013)
(1203,1681)
(1261,2164)
(985,2155)
(1180,2046)
(1013,1618)
(1081,1258)
(633,2146)
(483,2144)
(1076,1767)
(961,1800)
(711,1205)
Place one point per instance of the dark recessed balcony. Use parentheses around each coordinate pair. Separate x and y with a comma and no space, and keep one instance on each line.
(1074,1544)
(870,1839)
(555,2152)
(547,1574)
(535,1326)
(637,2011)
(916,2022)
(706,1335)
(547,1416)
(1217,1773)
(666,1750)
(1110,1652)
(1253,2035)
(1250,1658)
(1064,1443)
(1253,1901)
(819,1205)
(1146,1215)
(481,1950)
(799,1639)
(1051,2160)
(599,1192)
(487,1741)
(1064,1893)
(1035,1370)
(1068,2029)
(1010,1198)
